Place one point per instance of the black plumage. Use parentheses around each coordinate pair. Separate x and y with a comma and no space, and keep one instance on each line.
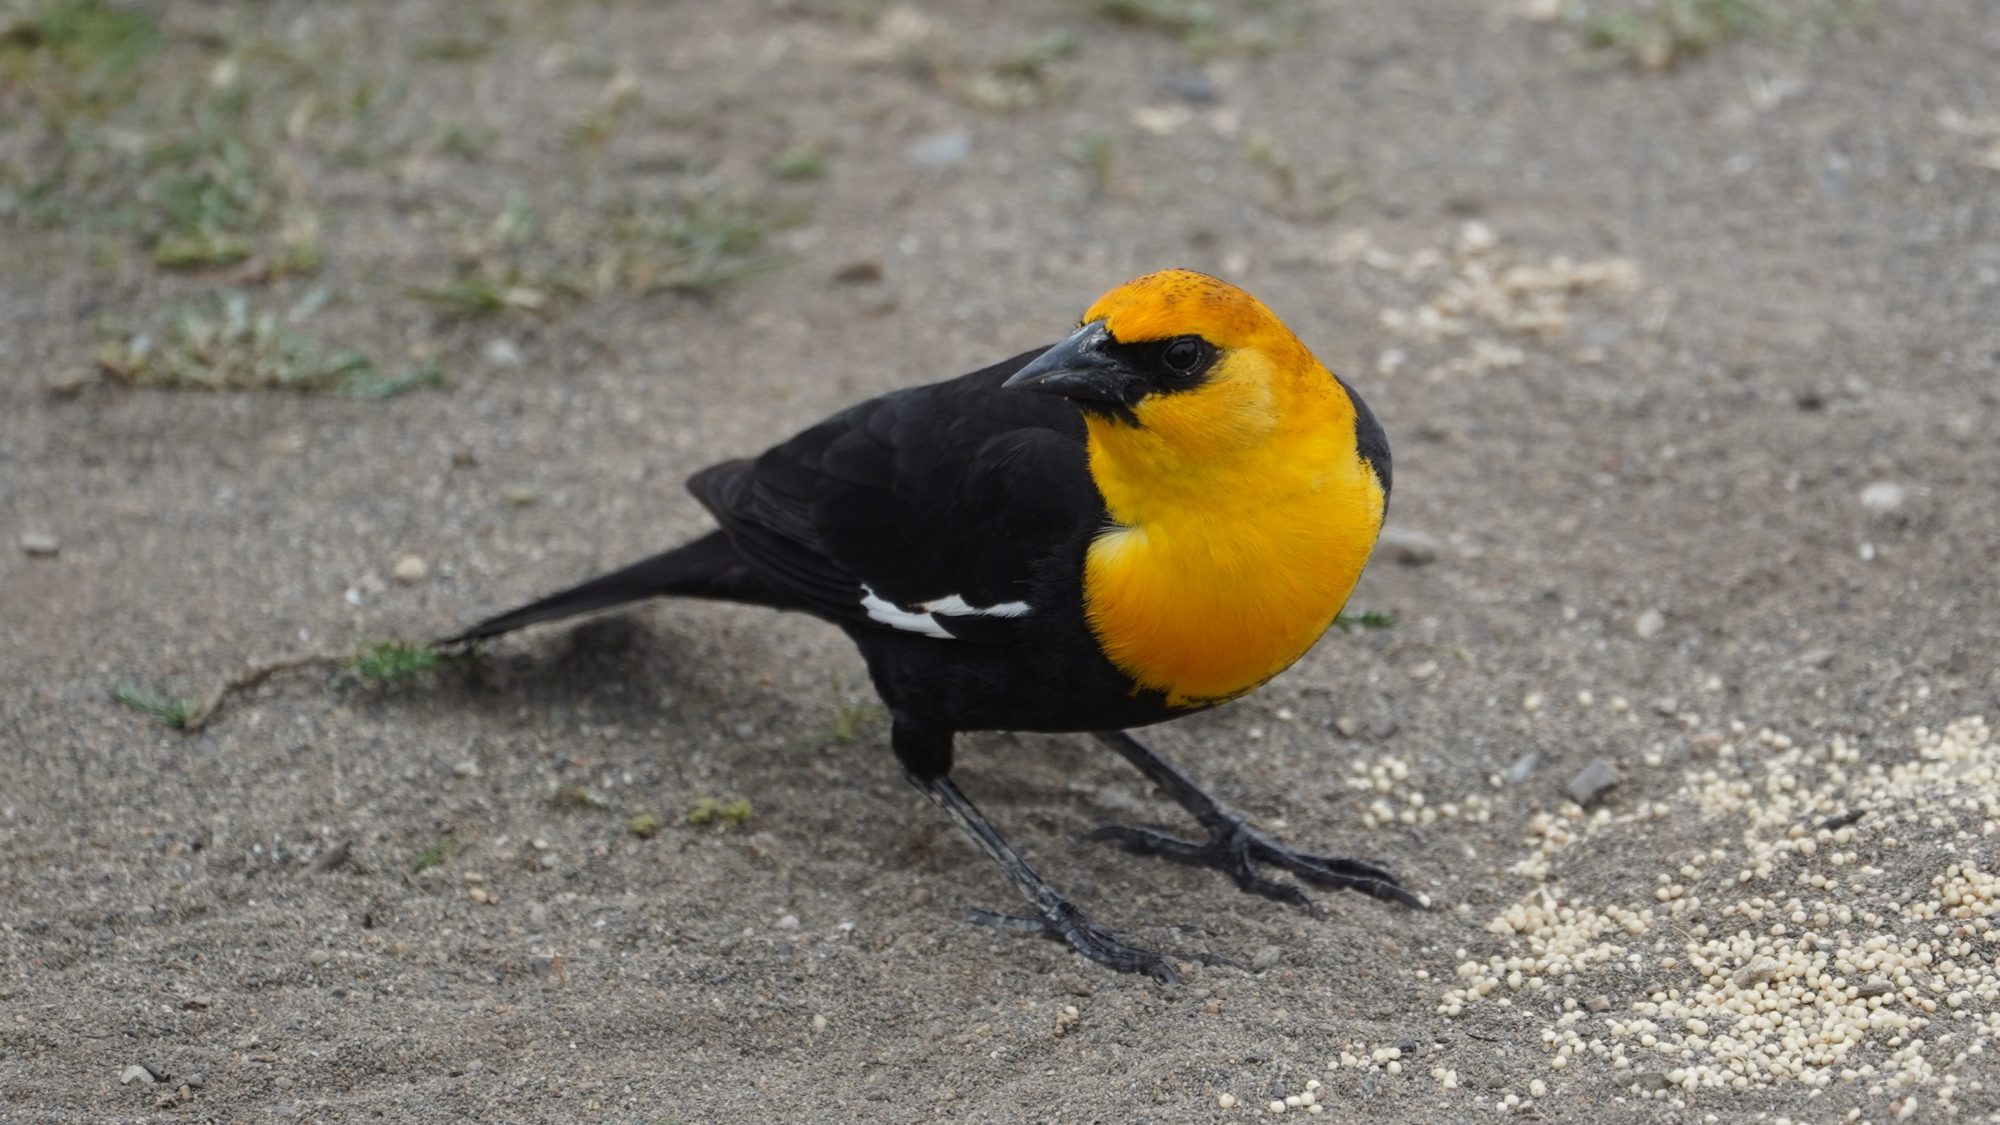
(930,503)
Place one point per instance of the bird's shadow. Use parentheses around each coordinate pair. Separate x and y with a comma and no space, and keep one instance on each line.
(615,666)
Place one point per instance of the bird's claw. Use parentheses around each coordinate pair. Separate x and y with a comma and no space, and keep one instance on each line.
(1234,848)
(1067,925)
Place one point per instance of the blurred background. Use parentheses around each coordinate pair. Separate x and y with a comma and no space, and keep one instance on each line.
(327,324)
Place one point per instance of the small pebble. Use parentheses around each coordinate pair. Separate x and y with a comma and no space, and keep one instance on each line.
(410,570)
(1409,548)
(1884,497)
(69,382)
(1225,1101)
(502,353)
(40,545)
(1758,971)
(866,271)
(1194,87)
(135,1073)
(319,957)
(1523,768)
(1347,725)
(1592,782)
(1649,624)
(1265,959)
(818,1022)
(941,150)
(1066,1018)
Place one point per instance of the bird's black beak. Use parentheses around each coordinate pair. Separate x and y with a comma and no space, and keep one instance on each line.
(1081,368)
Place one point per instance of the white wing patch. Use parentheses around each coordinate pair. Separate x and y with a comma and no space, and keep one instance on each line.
(923,619)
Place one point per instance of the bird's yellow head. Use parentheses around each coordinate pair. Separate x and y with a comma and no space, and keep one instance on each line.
(1245,484)
(1187,380)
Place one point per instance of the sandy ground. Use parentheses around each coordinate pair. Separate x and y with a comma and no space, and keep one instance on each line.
(1693,379)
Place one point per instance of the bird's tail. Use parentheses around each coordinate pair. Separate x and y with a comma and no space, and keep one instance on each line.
(708,567)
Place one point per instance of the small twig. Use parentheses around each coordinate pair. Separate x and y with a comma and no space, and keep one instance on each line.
(249,677)
(333,858)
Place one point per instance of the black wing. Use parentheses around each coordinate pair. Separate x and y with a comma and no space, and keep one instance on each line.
(918,509)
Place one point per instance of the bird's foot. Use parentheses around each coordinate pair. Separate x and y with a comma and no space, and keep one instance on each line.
(1234,848)
(1065,923)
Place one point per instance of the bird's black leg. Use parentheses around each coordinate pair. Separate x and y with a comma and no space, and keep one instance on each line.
(1054,915)
(1233,847)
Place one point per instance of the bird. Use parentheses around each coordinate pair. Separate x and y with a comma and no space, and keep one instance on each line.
(1149,518)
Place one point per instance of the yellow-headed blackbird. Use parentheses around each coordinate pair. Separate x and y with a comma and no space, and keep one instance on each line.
(1152,517)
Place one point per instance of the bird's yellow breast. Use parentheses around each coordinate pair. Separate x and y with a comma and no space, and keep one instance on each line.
(1205,591)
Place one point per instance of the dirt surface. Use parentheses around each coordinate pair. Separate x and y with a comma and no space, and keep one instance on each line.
(1693,380)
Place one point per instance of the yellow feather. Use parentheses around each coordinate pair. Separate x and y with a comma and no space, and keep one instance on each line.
(1243,511)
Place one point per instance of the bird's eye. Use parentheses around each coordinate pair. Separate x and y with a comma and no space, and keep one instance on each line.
(1184,355)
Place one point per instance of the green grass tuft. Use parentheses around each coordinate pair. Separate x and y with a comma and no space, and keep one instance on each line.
(431,857)
(848,719)
(227,343)
(393,661)
(693,248)
(799,163)
(1369,619)
(1180,17)
(480,296)
(1665,33)
(170,711)
(1096,153)
(1029,75)
(708,810)
(76,51)
(466,142)
(574,796)
(372,382)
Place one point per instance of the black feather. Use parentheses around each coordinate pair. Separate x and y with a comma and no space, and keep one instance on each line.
(708,567)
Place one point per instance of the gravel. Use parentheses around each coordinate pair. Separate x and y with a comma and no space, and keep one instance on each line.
(1587,347)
